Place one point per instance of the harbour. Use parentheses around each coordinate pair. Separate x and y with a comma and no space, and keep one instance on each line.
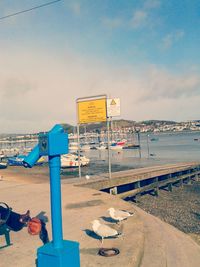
(100,133)
(134,175)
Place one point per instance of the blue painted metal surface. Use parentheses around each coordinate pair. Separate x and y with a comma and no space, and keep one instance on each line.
(67,256)
(59,252)
(55,187)
(35,154)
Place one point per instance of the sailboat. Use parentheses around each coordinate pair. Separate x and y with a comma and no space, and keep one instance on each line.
(71,161)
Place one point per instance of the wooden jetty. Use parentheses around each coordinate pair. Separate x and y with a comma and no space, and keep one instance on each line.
(132,183)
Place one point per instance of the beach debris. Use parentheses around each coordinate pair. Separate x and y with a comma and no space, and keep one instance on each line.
(87,177)
(119,215)
(1,178)
(103,230)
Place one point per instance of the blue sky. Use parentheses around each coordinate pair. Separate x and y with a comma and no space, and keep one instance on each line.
(145,52)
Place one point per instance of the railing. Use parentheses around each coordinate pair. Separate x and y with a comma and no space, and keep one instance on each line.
(153,183)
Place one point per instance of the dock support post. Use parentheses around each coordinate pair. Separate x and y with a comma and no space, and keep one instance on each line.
(156,189)
(169,187)
(137,184)
(136,197)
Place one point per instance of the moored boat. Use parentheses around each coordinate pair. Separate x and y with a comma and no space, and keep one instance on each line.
(3,165)
(73,146)
(18,160)
(85,147)
(72,161)
(131,146)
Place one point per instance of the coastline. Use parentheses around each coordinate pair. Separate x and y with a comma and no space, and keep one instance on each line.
(179,208)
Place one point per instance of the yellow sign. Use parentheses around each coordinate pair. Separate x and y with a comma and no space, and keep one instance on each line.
(91,111)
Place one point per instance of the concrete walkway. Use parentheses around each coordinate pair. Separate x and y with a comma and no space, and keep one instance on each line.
(80,207)
(165,246)
(146,241)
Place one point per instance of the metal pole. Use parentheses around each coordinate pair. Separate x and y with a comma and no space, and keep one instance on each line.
(111,130)
(56,211)
(148,145)
(109,154)
(138,133)
(79,160)
(78,139)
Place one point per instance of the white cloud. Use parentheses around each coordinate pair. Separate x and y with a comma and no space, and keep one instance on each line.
(162,84)
(39,89)
(143,16)
(75,8)
(139,18)
(171,38)
(167,41)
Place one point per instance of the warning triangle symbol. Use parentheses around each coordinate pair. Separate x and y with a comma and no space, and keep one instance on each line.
(113,102)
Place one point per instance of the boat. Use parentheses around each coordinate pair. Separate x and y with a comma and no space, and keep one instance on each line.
(3,165)
(131,146)
(85,147)
(9,152)
(116,147)
(153,139)
(18,160)
(73,146)
(121,142)
(101,147)
(71,161)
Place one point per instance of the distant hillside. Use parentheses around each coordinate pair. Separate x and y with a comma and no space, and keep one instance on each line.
(68,127)
(157,122)
(102,126)
(123,124)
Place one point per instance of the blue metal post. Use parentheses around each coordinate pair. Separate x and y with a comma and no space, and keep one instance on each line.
(59,252)
(56,211)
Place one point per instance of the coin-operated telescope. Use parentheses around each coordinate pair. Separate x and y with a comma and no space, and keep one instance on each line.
(58,252)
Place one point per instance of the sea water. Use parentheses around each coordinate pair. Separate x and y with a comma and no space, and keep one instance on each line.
(156,149)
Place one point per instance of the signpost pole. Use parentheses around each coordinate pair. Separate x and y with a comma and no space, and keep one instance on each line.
(78,140)
(109,154)
(79,159)
(138,135)
(148,145)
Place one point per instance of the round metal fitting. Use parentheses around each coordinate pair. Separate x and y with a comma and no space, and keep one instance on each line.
(108,252)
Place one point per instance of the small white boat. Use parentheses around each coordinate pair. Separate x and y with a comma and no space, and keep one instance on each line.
(101,147)
(116,147)
(18,161)
(73,146)
(85,147)
(3,165)
(71,161)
